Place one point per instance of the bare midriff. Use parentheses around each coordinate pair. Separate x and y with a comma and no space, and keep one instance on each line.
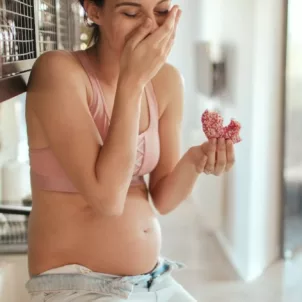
(64,229)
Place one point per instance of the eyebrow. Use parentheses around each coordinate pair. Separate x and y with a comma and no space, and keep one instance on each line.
(135,3)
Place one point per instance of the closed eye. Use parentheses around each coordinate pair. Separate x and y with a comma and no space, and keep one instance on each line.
(130,15)
(161,13)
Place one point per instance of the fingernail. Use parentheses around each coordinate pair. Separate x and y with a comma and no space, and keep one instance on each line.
(179,14)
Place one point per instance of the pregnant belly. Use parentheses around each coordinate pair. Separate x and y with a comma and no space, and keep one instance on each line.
(123,245)
(126,245)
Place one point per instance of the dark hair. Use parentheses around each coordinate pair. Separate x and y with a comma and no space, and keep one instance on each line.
(96,34)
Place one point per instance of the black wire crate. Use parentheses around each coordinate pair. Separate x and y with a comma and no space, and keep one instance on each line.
(13,233)
(57,24)
(64,25)
(29,28)
(48,35)
(17,30)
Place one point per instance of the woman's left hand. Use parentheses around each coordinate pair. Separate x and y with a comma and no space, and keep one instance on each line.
(215,156)
(221,157)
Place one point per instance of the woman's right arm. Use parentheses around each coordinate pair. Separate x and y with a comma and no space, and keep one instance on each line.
(59,101)
(101,175)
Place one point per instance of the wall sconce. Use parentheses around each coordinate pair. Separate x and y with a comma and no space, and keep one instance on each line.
(210,69)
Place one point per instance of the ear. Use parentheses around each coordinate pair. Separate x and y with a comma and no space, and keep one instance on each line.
(93,12)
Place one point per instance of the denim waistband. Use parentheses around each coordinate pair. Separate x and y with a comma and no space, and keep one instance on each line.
(121,286)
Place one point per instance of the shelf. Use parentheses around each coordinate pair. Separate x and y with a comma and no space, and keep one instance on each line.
(13,86)
(15,210)
(13,249)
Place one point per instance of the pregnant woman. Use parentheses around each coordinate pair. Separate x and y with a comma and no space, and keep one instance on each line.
(98,121)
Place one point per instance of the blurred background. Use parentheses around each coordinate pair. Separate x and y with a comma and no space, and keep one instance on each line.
(240,234)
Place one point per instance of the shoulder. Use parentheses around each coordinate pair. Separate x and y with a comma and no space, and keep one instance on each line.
(168,87)
(57,77)
(54,67)
(54,60)
(168,77)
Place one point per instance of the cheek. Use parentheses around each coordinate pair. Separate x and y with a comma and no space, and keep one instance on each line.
(119,31)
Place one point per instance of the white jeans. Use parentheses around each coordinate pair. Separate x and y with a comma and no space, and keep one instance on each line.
(78,284)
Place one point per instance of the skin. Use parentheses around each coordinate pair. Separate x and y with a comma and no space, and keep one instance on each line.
(110,227)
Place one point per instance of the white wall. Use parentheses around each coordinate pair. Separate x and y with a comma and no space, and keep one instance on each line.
(237,31)
(249,197)
(252,233)
(14,170)
(208,192)
(265,204)
(8,135)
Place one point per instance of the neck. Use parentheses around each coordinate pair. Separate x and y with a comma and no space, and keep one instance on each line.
(107,65)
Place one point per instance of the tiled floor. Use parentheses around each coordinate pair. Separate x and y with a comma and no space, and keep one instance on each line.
(208,277)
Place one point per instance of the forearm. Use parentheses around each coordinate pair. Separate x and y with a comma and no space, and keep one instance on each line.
(115,164)
(170,191)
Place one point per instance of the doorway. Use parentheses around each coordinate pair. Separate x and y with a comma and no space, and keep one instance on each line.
(292,172)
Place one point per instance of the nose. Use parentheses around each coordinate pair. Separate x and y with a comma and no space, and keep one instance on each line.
(155,24)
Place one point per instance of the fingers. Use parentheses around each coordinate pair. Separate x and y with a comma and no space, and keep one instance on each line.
(170,41)
(221,157)
(167,48)
(139,34)
(211,154)
(164,31)
(202,163)
(230,155)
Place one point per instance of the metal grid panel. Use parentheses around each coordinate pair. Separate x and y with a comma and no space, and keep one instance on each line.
(13,233)
(47,25)
(64,24)
(76,21)
(16,30)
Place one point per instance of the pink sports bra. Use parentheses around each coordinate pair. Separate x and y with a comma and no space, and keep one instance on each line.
(46,172)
